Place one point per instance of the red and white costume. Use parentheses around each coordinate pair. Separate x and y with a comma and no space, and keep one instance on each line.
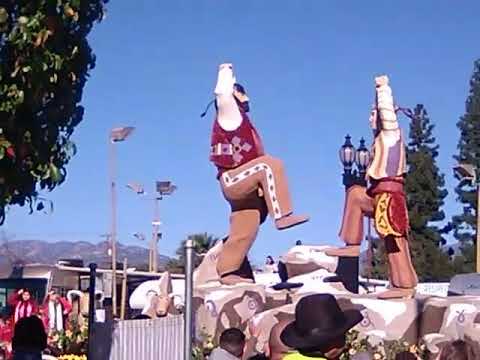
(244,172)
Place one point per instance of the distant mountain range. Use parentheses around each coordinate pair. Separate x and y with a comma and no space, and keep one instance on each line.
(39,251)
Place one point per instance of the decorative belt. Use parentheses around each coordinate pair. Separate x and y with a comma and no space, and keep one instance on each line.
(222,149)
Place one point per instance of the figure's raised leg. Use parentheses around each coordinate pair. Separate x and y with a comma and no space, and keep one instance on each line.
(267,173)
(357,205)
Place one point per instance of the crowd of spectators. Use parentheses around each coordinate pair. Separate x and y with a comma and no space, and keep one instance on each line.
(318,331)
(24,329)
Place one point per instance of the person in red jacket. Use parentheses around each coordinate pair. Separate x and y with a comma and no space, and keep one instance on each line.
(6,335)
(245,171)
(55,311)
(23,303)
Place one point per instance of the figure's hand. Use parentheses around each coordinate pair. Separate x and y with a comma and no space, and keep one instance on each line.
(225,65)
(20,292)
(225,81)
(381,80)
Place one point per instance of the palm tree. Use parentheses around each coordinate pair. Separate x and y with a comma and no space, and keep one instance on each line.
(202,242)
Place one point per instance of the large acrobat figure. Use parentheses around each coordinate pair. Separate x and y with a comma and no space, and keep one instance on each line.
(384,200)
(249,178)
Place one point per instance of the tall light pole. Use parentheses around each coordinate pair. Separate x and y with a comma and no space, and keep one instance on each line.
(351,157)
(470,173)
(116,135)
(162,188)
(140,190)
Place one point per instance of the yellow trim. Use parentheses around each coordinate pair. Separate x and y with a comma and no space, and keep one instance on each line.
(298,356)
(382,220)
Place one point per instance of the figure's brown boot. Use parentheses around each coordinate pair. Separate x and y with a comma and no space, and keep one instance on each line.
(347,251)
(290,221)
(234,280)
(396,293)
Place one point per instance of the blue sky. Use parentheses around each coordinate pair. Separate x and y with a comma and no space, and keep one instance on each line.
(308,67)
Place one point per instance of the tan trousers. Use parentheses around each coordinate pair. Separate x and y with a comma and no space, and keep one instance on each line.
(240,187)
(357,205)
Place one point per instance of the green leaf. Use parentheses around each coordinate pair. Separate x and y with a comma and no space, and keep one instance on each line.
(39,69)
(75,3)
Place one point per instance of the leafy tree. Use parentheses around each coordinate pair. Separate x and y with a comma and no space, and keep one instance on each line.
(468,152)
(201,244)
(45,60)
(425,189)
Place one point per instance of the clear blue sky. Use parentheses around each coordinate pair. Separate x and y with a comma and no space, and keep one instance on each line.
(308,67)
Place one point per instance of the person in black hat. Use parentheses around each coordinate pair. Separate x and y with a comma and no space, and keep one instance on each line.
(319,328)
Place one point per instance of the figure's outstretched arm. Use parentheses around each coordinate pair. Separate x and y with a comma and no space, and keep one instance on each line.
(386,110)
(228,114)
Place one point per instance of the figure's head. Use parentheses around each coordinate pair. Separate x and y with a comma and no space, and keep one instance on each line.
(233,341)
(241,97)
(269,260)
(26,295)
(374,120)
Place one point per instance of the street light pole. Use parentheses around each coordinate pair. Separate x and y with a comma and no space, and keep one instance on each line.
(348,268)
(113,236)
(116,135)
(162,188)
(156,226)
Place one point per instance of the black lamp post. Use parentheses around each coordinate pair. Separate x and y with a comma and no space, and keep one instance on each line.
(349,156)
(348,267)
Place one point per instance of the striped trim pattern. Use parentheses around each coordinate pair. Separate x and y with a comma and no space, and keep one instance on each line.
(222,149)
(229,181)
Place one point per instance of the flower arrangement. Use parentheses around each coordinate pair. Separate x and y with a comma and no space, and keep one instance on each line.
(73,357)
(355,343)
(381,351)
(202,349)
(70,342)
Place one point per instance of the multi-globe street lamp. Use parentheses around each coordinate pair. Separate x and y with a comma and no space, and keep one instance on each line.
(162,188)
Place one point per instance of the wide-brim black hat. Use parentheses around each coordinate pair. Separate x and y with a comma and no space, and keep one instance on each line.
(318,320)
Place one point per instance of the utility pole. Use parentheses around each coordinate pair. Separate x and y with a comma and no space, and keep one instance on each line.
(156,233)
